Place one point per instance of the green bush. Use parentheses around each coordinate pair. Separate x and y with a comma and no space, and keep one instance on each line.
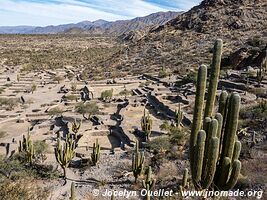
(87,109)
(160,144)
(107,94)
(55,112)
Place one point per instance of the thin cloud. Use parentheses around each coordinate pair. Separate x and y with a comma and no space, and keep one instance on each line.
(47,12)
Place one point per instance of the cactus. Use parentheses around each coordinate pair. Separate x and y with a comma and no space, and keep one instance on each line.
(64,153)
(146,125)
(214,147)
(75,127)
(137,162)
(26,146)
(260,74)
(72,191)
(96,153)
(148,184)
(112,196)
(179,115)
(185,178)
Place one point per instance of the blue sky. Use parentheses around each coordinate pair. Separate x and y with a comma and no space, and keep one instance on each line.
(53,12)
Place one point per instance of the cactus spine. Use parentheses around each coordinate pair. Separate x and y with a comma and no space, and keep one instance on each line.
(214,150)
(137,162)
(64,153)
(95,156)
(179,115)
(72,191)
(26,146)
(148,184)
(146,124)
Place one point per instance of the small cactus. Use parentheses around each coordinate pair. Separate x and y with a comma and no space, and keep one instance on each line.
(137,162)
(26,145)
(95,156)
(72,191)
(179,115)
(75,127)
(146,125)
(185,178)
(148,184)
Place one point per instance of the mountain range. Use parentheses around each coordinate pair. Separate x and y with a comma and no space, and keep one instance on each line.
(96,27)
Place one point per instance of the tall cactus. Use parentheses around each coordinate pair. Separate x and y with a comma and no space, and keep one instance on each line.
(137,162)
(95,156)
(148,184)
(214,147)
(146,125)
(64,153)
(179,115)
(26,146)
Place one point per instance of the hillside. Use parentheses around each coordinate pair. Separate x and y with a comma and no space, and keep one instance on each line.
(185,41)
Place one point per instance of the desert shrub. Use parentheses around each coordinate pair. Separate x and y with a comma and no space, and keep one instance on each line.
(58,78)
(259,111)
(2,89)
(57,112)
(143,84)
(191,77)
(26,189)
(33,87)
(3,134)
(160,144)
(163,73)
(87,109)
(178,135)
(73,86)
(8,103)
(40,147)
(16,168)
(28,67)
(125,92)
(71,97)
(107,94)
(256,41)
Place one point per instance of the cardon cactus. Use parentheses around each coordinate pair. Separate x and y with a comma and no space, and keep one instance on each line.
(214,147)
(64,153)
(26,146)
(137,162)
(95,156)
(179,115)
(148,184)
(146,125)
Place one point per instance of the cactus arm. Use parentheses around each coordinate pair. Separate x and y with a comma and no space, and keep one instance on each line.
(214,76)
(210,167)
(200,147)
(231,126)
(198,111)
(236,168)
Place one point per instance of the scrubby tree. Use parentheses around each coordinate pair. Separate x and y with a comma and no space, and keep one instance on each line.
(87,109)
